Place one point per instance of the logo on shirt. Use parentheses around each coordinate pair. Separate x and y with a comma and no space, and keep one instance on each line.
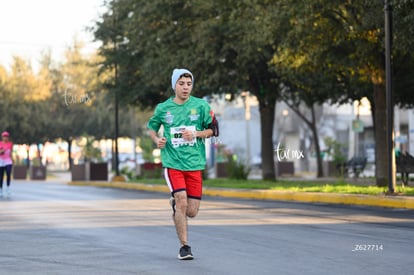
(193,115)
(169,118)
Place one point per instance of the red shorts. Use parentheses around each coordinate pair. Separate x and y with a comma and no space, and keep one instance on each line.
(189,181)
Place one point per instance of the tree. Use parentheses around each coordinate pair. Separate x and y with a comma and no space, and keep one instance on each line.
(25,109)
(79,105)
(348,36)
(226,43)
(308,77)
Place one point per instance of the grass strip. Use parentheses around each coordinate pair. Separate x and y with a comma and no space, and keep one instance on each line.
(340,186)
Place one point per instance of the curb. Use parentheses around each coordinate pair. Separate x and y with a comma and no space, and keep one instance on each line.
(312,197)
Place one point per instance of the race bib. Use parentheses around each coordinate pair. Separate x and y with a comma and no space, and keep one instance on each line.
(177,136)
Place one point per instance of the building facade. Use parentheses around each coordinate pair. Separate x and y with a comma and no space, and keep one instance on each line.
(350,125)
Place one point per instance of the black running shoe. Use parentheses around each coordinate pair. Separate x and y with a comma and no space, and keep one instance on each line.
(172,203)
(185,253)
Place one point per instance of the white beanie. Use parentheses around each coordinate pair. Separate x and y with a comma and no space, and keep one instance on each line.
(176,75)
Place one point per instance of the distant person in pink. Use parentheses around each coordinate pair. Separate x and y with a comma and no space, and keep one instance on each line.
(6,161)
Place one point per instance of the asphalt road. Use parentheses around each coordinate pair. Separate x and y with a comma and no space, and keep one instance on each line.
(53,228)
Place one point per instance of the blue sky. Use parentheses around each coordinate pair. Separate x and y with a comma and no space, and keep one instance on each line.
(30,26)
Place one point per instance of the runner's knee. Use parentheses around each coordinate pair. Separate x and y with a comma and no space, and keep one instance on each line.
(191,213)
(181,201)
(192,209)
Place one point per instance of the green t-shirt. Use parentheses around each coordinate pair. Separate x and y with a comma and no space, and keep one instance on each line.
(194,114)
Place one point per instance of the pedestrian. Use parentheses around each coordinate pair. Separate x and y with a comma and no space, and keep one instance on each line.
(6,162)
(187,121)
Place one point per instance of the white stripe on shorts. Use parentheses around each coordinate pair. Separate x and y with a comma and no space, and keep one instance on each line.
(167,179)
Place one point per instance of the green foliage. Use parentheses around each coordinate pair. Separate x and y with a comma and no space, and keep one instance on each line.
(339,186)
(227,48)
(129,173)
(156,173)
(335,150)
(62,100)
(22,103)
(147,146)
(302,51)
(36,162)
(90,152)
(334,52)
(237,170)
(226,44)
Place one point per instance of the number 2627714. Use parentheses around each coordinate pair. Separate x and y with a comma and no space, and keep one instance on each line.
(368,247)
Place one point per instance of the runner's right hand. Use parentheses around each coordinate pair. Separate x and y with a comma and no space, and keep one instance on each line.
(161,142)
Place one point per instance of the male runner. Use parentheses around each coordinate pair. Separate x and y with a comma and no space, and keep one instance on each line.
(187,121)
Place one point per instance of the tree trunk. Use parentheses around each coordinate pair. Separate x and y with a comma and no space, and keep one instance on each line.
(312,126)
(267,117)
(380,129)
(315,135)
(28,156)
(39,154)
(70,161)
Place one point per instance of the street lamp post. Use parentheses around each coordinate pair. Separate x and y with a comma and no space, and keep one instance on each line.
(247,117)
(116,134)
(390,107)
(116,123)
